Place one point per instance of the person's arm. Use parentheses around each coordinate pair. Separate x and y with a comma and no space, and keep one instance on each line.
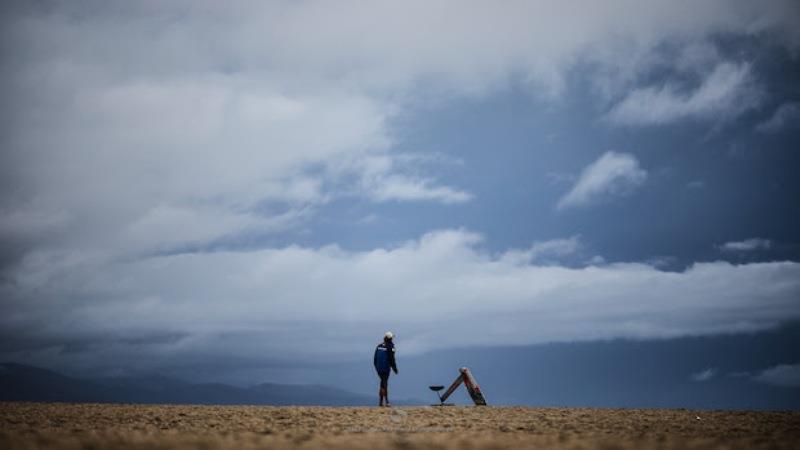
(375,359)
(392,362)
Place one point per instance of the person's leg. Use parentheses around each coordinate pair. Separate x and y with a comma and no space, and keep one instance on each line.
(386,391)
(382,391)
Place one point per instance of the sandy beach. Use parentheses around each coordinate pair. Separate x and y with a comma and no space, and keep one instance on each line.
(84,426)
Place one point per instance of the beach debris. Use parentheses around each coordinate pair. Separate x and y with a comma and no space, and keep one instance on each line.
(465,376)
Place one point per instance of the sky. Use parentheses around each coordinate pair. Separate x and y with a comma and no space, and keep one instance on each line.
(261,189)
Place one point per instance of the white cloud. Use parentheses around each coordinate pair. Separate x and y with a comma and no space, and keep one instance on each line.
(157,118)
(612,174)
(781,375)
(435,292)
(747,245)
(597,260)
(785,116)
(728,91)
(398,187)
(544,252)
(704,375)
(168,228)
(661,262)
(385,178)
(122,154)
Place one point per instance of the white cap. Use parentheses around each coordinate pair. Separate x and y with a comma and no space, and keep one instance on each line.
(388,335)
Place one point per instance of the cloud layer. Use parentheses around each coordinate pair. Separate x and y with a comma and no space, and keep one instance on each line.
(612,174)
(787,375)
(137,137)
(435,292)
(747,245)
(725,93)
(192,114)
(704,375)
(787,115)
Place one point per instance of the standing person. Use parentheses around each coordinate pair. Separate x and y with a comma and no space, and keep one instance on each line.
(384,361)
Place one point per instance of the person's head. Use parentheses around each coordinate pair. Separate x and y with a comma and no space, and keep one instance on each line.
(388,336)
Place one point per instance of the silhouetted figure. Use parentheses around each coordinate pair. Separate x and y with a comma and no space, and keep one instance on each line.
(384,364)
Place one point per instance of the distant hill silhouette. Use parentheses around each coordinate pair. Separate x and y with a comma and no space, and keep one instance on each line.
(20,382)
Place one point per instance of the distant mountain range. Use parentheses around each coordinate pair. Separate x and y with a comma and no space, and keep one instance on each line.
(20,382)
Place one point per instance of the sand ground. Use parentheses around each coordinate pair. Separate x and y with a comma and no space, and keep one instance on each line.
(95,426)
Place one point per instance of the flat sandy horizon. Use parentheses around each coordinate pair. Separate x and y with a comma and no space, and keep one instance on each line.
(85,426)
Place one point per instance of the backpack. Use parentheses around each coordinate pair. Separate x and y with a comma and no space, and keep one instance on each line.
(382,361)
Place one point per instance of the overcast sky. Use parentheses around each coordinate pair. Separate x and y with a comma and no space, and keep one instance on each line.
(261,183)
